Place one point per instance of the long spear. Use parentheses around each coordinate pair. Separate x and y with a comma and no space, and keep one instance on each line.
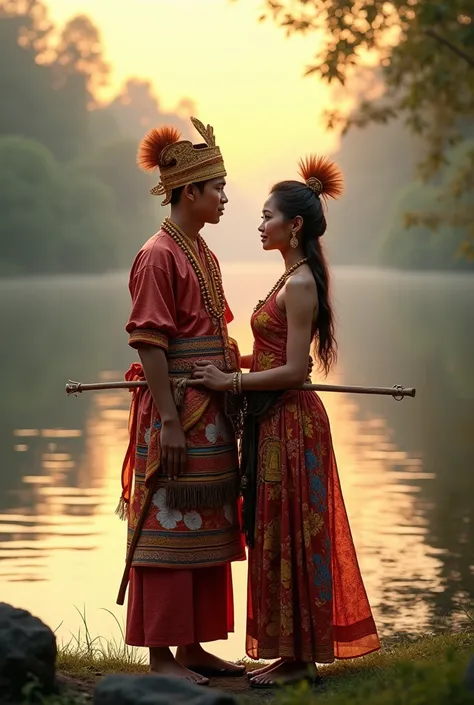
(397,391)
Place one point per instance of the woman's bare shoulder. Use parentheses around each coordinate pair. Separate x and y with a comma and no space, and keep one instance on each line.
(301,281)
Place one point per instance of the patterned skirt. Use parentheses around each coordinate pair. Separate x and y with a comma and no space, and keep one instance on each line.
(208,533)
(306,598)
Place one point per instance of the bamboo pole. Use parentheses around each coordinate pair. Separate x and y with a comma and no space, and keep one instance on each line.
(397,391)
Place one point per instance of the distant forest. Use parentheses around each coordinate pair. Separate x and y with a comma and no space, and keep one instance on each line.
(367,227)
(72,199)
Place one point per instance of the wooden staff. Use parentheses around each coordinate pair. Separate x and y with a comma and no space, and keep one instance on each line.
(397,391)
(133,544)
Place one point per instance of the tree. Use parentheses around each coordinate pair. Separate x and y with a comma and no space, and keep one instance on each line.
(30,203)
(32,105)
(35,27)
(426,53)
(136,109)
(52,221)
(92,229)
(114,164)
(79,51)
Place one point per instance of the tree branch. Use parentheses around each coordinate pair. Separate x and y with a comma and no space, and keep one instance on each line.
(450,45)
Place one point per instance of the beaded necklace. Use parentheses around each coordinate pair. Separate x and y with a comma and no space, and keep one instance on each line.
(279,283)
(212,291)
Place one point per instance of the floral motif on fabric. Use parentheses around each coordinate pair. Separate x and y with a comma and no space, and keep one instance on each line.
(301,587)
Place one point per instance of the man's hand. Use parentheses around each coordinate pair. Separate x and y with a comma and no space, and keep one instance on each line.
(173,448)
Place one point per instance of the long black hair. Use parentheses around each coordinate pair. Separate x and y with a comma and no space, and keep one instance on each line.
(293,199)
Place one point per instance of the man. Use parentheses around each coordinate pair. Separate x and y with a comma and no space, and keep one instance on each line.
(183,521)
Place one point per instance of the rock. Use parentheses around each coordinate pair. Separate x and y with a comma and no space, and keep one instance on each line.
(156,690)
(27,651)
(469,679)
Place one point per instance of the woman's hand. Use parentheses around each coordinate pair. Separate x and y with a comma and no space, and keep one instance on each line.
(208,375)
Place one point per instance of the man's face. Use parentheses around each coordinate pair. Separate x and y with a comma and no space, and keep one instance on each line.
(209,204)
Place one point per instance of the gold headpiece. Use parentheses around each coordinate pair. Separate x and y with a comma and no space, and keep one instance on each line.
(180,162)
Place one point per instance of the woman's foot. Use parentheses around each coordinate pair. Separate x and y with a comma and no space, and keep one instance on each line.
(163,663)
(286,673)
(264,669)
(195,658)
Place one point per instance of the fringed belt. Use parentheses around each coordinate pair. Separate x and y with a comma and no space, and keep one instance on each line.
(191,403)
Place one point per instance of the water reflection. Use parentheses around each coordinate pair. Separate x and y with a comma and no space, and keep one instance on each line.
(406,468)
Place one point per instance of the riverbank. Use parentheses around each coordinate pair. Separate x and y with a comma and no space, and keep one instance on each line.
(428,670)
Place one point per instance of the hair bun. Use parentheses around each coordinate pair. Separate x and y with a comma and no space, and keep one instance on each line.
(322,176)
(315,185)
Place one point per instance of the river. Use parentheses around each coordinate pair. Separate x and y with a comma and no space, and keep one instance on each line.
(407,468)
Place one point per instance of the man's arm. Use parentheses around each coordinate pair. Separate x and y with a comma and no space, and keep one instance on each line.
(173,440)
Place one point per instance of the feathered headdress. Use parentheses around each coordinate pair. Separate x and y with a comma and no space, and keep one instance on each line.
(179,161)
(322,176)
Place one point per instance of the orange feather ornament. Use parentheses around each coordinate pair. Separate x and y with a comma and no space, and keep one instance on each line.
(152,145)
(323,172)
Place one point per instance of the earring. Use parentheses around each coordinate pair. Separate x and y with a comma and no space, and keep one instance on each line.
(294,241)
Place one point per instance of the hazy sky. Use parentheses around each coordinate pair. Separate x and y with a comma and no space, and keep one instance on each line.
(245,77)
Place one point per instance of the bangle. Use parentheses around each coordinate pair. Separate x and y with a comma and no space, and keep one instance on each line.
(237,383)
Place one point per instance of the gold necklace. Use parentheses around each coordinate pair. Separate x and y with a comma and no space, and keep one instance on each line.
(280,283)
(212,290)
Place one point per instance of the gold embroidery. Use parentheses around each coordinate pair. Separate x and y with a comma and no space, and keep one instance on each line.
(274,490)
(286,574)
(270,459)
(272,538)
(312,525)
(260,321)
(307,425)
(265,361)
(286,617)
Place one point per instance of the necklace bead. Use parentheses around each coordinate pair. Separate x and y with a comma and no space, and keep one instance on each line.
(212,291)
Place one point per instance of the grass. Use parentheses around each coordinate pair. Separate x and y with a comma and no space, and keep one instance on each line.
(426,670)
(86,658)
(429,670)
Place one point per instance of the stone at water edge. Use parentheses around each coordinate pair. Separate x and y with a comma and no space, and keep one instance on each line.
(469,679)
(156,690)
(27,649)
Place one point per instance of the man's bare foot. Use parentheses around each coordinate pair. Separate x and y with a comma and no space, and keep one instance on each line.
(163,663)
(286,673)
(264,669)
(196,659)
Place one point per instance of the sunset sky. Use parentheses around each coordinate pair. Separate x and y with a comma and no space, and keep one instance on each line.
(245,77)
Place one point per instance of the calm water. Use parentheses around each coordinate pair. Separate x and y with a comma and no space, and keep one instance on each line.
(407,468)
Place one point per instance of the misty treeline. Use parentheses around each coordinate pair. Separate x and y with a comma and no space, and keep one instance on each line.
(408,151)
(72,199)
(71,196)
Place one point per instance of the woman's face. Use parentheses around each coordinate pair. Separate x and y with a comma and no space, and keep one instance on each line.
(275,231)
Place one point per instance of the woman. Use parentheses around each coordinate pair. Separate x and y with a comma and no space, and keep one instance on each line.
(306,600)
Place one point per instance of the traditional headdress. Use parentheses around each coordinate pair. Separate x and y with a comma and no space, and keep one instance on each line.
(322,176)
(180,162)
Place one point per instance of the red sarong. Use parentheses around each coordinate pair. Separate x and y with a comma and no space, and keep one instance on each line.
(179,607)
